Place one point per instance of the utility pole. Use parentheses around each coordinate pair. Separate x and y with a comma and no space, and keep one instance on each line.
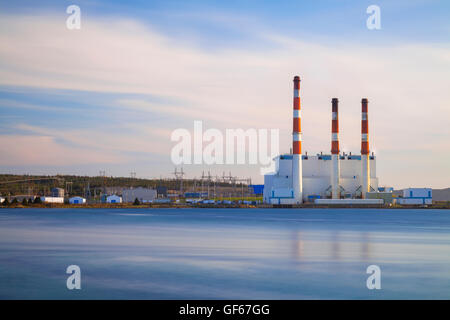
(102,174)
(69,187)
(209,181)
(203,177)
(215,180)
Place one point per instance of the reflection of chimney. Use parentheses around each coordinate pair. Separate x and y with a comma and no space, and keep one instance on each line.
(334,149)
(365,174)
(297,184)
(297,245)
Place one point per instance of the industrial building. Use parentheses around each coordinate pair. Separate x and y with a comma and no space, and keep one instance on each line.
(316,178)
(299,178)
(144,195)
(416,196)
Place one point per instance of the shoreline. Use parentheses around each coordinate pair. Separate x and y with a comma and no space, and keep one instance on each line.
(211,206)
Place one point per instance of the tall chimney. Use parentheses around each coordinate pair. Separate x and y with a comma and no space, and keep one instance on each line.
(297,183)
(365,174)
(335,168)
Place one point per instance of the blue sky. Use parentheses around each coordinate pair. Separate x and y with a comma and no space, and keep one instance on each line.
(333,20)
(107,97)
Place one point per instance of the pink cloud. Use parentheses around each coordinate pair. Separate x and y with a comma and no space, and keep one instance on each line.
(18,150)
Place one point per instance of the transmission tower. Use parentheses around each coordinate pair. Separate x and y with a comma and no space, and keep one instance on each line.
(179,177)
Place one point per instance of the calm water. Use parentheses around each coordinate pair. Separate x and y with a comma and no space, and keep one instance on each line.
(224,253)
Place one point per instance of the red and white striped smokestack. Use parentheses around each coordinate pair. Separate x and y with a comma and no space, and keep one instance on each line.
(335,168)
(297,183)
(365,174)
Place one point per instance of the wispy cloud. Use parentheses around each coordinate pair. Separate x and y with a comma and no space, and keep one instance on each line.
(45,151)
(107,142)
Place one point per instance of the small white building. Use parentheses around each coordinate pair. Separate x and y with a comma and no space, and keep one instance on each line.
(52,199)
(114,199)
(2,199)
(77,200)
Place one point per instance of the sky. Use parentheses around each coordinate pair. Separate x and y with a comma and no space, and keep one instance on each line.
(108,96)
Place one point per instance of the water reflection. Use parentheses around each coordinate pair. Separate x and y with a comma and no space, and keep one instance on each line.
(337,246)
(234,254)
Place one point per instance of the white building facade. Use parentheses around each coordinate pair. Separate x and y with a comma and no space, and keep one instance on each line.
(52,199)
(317,178)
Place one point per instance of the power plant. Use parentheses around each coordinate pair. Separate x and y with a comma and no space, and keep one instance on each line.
(323,178)
(337,178)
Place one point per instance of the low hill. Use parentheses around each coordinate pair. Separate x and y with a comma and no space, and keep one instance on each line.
(441,194)
(78,185)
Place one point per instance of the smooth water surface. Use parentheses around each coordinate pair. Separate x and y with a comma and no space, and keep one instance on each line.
(224,253)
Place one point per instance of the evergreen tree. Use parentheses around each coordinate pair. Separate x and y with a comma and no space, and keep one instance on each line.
(24,201)
(6,202)
(136,202)
(37,200)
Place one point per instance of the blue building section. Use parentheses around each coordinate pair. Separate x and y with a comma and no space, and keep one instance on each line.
(192,195)
(279,198)
(313,197)
(258,189)
(412,195)
(324,157)
(196,195)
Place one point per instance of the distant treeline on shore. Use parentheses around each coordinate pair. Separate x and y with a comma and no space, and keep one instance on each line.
(11,184)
